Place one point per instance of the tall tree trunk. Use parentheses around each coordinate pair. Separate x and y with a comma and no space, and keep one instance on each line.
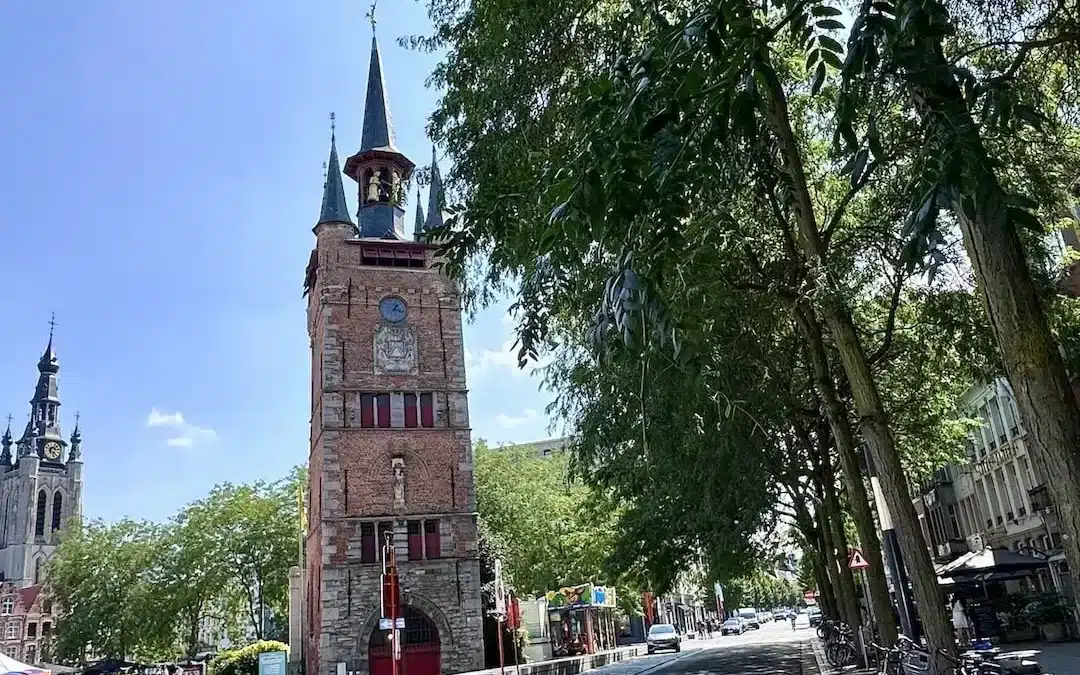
(831,604)
(1033,364)
(836,414)
(874,426)
(831,520)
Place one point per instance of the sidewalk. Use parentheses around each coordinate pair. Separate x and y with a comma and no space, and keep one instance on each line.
(1057,658)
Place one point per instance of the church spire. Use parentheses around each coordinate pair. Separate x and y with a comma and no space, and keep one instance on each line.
(435,196)
(418,224)
(378,132)
(380,169)
(42,435)
(76,442)
(334,208)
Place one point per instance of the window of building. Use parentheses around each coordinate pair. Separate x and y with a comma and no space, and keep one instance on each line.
(46,606)
(12,651)
(424,543)
(7,606)
(31,654)
(31,629)
(39,570)
(39,522)
(46,628)
(432,545)
(57,509)
(12,630)
(397,410)
(416,541)
(367,543)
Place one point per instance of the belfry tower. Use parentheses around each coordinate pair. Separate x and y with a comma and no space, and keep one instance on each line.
(391,454)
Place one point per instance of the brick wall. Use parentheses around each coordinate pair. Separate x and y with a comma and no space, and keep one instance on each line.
(351,475)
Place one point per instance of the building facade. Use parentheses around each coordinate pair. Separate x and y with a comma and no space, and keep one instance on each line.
(391,455)
(998,498)
(40,489)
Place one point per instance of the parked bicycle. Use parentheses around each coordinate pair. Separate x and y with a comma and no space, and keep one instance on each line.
(840,649)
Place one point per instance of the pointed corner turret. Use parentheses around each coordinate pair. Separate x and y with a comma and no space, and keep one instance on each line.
(6,441)
(75,454)
(334,208)
(418,224)
(435,196)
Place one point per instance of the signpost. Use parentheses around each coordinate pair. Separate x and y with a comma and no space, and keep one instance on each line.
(499,613)
(390,603)
(272,663)
(856,561)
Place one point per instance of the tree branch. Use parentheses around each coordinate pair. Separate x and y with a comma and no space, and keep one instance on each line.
(841,208)
(890,325)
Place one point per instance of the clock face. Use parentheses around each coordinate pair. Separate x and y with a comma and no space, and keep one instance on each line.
(392,309)
(52,450)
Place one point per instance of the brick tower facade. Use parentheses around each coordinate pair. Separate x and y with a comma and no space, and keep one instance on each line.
(391,454)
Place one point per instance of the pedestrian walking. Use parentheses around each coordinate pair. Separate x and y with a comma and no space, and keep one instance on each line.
(793,615)
(960,621)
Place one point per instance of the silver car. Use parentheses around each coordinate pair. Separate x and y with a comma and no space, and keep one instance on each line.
(663,636)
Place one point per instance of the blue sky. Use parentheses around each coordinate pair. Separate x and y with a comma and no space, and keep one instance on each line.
(160,172)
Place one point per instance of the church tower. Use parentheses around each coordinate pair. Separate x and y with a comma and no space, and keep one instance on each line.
(391,454)
(40,484)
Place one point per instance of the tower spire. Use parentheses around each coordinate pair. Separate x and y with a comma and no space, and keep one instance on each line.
(43,428)
(380,169)
(5,441)
(418,224)
(378,132)
(334,208)
(435,196)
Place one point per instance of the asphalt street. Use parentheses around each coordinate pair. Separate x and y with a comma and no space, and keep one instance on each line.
(773,650)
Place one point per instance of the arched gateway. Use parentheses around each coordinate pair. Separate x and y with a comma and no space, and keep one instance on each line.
(420,647)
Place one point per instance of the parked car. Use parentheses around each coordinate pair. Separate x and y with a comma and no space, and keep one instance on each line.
(780,615)
(733,626)
(663,636)
(750,618)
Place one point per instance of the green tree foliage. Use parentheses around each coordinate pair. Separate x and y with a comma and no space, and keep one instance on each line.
(243,661)
(106,580)
(539,522)
(140,591)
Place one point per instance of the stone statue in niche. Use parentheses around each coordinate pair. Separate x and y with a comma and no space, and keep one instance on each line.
(373,186)
(395,350)
(398,463)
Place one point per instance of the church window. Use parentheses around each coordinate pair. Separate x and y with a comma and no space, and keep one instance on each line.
(367,542)
(416,542)
(431,539)
(7,606)
(410,410)
(12,631)
(39,522)
(39,570)
(57,510)
(367,410)
(382,410)
(427,410)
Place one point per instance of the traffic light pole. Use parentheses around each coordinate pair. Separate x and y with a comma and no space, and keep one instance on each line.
(391,600)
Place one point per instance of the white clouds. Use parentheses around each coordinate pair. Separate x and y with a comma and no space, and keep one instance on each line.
(502,360)
(156,418)
(527,416)
(182,434)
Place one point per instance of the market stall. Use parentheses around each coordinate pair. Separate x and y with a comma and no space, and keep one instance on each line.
(582,619)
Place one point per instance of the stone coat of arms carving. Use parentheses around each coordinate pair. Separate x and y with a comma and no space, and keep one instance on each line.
(395,350)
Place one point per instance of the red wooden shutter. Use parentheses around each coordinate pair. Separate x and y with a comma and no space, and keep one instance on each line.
(384,411)
(410,410)
(367,410)
(427,411)
(416,541)
(431,538)
(367,543)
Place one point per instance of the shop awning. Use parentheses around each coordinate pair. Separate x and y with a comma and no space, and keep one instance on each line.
(990,561)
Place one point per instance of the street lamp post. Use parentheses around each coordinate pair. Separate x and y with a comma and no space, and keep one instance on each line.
(894,560)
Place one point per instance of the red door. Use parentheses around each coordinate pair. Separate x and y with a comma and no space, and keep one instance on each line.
(420,652)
